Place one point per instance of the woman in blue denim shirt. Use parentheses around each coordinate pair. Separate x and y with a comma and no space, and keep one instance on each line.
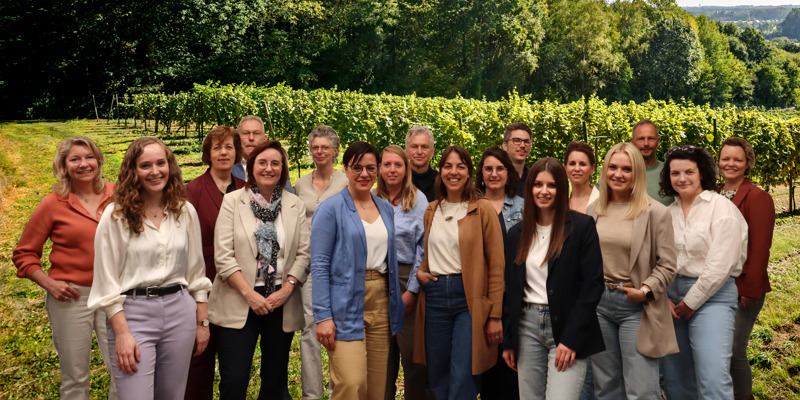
(395,186)
(500,187)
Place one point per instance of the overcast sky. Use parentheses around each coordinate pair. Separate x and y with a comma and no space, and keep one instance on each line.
(695,3)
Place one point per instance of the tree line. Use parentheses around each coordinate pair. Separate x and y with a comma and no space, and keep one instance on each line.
(57,56)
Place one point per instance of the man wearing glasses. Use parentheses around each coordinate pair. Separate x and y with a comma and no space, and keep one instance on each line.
(645,137)
(517,143)
(251,133)
(419,147)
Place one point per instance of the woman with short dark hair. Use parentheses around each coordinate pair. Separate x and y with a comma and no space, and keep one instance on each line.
(357,302)
(711,241)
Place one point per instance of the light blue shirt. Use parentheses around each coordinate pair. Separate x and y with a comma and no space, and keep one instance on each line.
(409,230)
(339,266)
(512,211)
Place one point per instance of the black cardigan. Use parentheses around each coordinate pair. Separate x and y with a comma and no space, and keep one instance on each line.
(574,287)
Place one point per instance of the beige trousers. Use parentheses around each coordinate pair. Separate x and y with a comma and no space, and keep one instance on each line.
(358,368)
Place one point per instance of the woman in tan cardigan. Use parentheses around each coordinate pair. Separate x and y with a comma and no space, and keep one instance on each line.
(639,261)
(461,275)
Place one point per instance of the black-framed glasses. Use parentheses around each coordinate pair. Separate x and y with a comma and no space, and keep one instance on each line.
(518,141)
(358,169)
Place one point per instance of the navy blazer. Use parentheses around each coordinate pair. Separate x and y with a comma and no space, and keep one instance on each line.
(238,171)
(206,198)
(574,287)
(338,266)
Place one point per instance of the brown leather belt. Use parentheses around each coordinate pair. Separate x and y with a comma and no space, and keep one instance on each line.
(618,285)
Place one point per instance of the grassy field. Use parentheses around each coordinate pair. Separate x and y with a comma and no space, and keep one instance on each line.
(29,364)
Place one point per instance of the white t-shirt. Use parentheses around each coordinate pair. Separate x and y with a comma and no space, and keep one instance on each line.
(536,267)
(377,244)
(444,251)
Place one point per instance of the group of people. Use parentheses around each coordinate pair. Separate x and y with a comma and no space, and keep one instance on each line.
(506,280)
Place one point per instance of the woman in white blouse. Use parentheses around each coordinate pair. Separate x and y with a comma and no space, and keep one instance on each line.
(580,162)
(711,241)
(261,254)
(149,275)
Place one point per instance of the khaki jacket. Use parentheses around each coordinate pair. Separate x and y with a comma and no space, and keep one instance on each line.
(235,250)
(480,240)
(653,262)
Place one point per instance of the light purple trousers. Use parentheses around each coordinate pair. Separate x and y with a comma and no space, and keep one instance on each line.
(164,328)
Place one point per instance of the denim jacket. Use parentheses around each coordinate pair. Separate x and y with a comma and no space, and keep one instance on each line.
(338,266)
(512,211)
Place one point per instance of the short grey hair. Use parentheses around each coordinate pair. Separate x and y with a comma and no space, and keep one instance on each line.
(418,130)
(645,121)
(325,131)
(251,118)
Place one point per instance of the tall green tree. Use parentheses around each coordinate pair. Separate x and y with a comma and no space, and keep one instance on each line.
(790,26)
(578,56)
(723,78)
(671,64)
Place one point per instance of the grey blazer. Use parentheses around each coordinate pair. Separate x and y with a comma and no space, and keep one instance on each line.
(235,250)
(653,262)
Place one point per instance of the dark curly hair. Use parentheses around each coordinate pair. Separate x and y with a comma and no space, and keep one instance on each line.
(513,179)
(705,166)
(127,198)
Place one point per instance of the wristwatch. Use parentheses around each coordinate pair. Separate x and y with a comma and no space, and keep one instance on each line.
(648,293)
(292,282)
(203,323)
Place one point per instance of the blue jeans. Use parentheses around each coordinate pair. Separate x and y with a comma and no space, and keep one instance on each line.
(702,368)
(448,340)
(621,372)
(536,355)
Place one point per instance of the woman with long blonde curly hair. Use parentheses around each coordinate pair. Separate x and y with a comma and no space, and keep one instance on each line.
(150,275)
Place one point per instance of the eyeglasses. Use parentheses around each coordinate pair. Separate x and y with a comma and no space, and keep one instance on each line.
(324,149)
(518,141)
(488,170)
(687,149)
(265,164)
(357,169)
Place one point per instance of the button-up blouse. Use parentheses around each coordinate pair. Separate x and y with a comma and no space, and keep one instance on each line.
(409,230)
(711,243)
(165,256)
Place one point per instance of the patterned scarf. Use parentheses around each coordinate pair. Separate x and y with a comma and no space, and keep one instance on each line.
(266,234)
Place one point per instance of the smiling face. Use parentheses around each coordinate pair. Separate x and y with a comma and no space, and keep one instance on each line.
(518,146)
(732,163)
(619,176)
(495,174)
(251,134)
(361,175)
(393,169)
(454,175)
(267,170)
(685,178)
(579,169)
(420,150)
(222,154)
(544,191)
(152,169)
(81,164)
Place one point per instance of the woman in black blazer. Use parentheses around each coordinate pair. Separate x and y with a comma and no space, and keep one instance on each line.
(554,280)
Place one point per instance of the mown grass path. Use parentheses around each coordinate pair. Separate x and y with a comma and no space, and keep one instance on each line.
(29,364)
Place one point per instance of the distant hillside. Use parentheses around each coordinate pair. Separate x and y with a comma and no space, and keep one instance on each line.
(756,14)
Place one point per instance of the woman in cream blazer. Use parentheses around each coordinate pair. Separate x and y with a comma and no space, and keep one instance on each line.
(242,311)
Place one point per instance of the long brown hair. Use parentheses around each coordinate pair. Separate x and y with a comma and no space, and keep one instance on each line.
(530,213)
(408,193)
(128,193)
(469,192)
